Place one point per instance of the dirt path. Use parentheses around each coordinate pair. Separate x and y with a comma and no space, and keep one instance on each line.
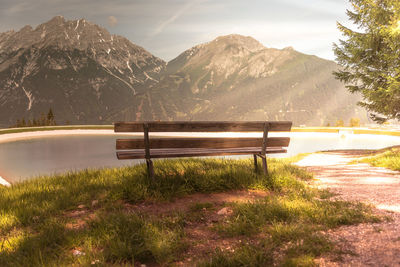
(370,244)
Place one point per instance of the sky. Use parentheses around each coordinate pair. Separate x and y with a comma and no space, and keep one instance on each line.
(166,28)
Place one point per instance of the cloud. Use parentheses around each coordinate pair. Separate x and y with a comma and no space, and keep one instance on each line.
(174,17)
(18,8)
(112,21)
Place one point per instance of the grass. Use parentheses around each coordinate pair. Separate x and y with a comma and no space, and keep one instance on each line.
(50,128)
(388,159)
(294,221)
(92,217)
(129,237)
(252,218)
(355,130)
(111,127)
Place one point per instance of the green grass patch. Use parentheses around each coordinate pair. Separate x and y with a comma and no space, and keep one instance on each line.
(253,218)
(123,238)
(201,206)
(44,221)
(289,228)
(355,130)
(112,238)
(51,128)
(388,159)
(289,225)
(247,255)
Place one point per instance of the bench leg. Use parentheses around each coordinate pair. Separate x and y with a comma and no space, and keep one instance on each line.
(150,169)
(265,167)
(255,163)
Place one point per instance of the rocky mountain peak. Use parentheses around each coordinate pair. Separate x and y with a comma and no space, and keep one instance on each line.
(229,45)
(220,54)
(61,59)
(56,20)
(228,56)
(244,42)
(288,48)
(68,35)
(26,29)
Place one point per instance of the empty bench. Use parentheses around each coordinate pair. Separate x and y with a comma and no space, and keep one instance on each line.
(156,147)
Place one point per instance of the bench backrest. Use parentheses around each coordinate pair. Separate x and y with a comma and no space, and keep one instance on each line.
(203,126)
(202,142)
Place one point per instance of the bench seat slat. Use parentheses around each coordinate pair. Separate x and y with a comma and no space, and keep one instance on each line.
(201,142)
(203,126)
(194,152)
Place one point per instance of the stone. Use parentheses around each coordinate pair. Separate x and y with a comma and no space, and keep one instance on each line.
(224,211)
(95,203)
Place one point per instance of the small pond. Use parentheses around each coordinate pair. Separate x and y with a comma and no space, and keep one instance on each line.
(23,159)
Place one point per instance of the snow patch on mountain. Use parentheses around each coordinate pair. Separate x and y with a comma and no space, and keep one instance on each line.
(30,98)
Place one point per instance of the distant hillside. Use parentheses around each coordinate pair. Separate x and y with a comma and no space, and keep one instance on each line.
(88,76)
(236,78)
(81,71)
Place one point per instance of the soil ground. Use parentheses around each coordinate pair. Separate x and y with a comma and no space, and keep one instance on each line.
(376,244)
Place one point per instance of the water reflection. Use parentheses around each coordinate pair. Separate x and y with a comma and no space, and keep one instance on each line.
(22,159)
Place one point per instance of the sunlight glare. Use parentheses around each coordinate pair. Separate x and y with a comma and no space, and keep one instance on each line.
(394,208)
(11,243)
(396,28)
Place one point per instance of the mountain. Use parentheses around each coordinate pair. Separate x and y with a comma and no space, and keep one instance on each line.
(236,78)
(81,71)
(88,76)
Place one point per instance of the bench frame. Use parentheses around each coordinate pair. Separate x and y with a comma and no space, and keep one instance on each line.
(192,147)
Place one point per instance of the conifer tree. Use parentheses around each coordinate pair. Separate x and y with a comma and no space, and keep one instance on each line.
(370,56)
(50,118)
(42,120)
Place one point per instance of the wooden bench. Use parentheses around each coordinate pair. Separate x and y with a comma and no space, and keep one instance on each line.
(148,148)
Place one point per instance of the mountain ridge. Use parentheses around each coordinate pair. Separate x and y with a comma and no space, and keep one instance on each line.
(64,62)
(226,80)
(91,76)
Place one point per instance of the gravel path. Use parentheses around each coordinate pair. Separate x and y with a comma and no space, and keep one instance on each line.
(375,244)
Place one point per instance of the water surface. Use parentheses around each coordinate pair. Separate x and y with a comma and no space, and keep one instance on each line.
(23,159)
